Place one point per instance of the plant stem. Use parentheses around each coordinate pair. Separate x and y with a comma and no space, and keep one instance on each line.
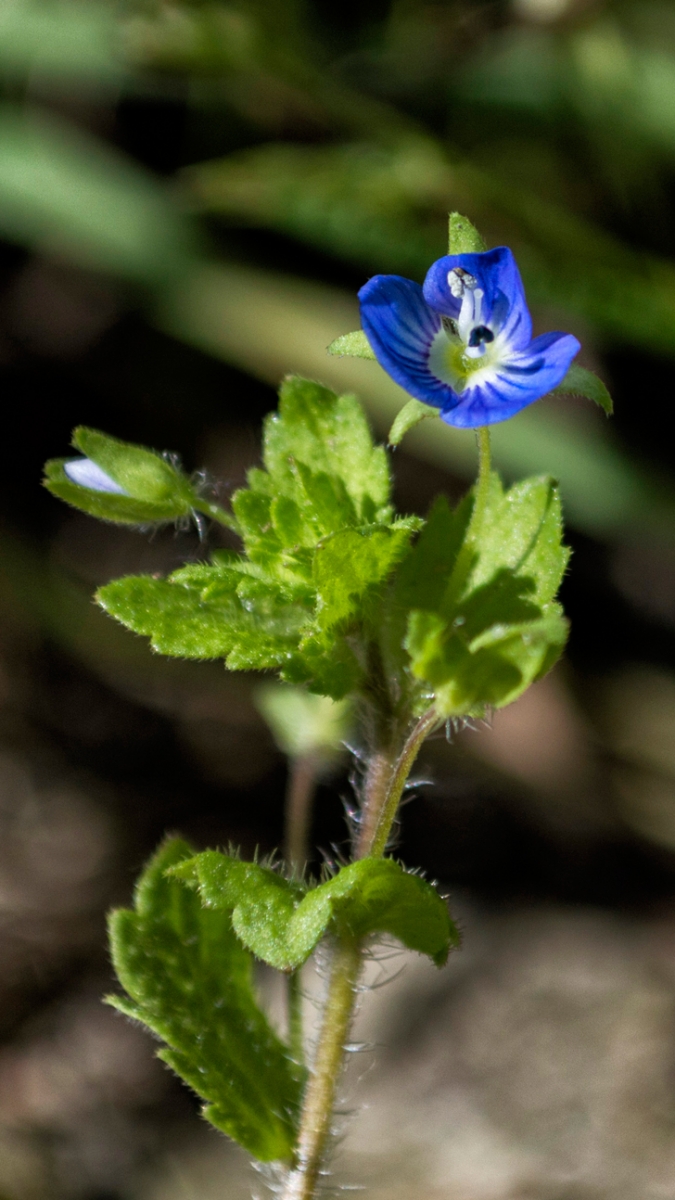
(385,781)
(397,781)
(317,1112)
(216,513)
(302,779)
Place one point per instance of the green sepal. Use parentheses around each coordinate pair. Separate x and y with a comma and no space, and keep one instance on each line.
(410,415)
(580,382)
(484,623)
(352,345)
(463,237)
(282,923)
(155,490)
(189,980)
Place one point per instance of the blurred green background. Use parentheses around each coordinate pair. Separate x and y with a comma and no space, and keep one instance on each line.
(191,193)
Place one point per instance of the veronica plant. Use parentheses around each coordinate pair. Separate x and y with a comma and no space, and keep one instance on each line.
(371,619)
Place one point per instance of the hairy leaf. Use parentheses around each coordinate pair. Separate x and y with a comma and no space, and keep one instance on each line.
(282,924)
(479,634)
(189,980)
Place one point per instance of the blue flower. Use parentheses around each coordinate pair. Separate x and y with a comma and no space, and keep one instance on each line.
(88,474)
(463,342)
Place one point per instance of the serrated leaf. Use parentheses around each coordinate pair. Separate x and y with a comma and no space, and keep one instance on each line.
(282,923)
(463,237)
(189,980)
(580,382)
(329,435)
(184,622)
(352,345)
(481,639)
(350,565)
(410,415)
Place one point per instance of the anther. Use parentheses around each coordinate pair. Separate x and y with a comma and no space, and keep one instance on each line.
(479,335)
(459,281)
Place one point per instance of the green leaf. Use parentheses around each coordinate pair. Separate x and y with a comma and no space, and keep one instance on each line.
(410,415)
(329,436)
(302,723)
(352,345)
(481,638)
(463,238)
(189,980)
(282,926)
(350,566)
(188,621)
(580,382)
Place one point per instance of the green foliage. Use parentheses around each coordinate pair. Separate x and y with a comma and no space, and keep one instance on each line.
(580,382)
(154,489)
(463,238)
(282,923)
(319,546)
(484,623)
(189,980)
(328,579)
(352,345)
(303,723)
(410,415)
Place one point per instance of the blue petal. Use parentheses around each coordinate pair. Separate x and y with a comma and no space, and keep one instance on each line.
(400,327)
(88,474)
(516,383)
(495,271)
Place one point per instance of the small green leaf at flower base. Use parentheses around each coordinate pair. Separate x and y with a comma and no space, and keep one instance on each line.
(580,382)
(189,979)
(118,481)
(463,237)
(282,922)
(352,345)
(410,415)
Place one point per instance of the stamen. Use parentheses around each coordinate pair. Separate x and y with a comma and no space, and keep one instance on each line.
(479,335)
(449,325)
(459,281)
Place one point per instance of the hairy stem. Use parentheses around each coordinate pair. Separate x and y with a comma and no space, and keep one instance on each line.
(397,780)
(319,1100)
(216,513)
(385,781)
